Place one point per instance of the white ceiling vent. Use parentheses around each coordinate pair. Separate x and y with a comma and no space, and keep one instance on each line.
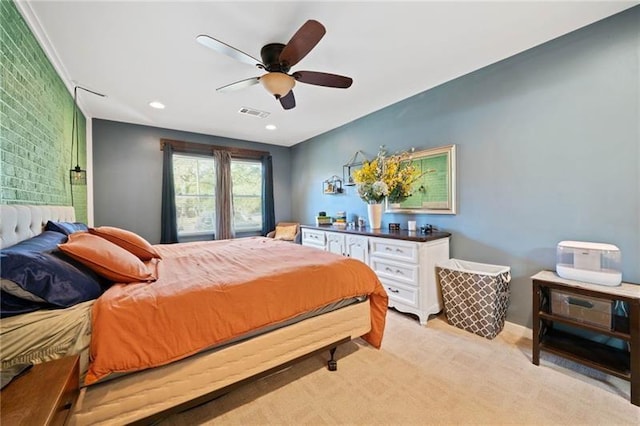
(254,112)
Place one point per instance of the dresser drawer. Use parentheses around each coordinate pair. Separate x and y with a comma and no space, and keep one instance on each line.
(311,237)
(394,249)
(398,271)
(400,293)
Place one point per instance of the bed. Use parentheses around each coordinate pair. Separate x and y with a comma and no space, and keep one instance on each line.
(286,322)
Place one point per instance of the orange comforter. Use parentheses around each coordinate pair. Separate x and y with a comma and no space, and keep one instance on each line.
(210,292)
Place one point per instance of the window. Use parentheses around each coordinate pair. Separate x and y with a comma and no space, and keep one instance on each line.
(246,176)
(194,179)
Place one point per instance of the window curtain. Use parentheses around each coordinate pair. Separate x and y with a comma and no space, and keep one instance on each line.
(169,220)
(268,208)
(224,196)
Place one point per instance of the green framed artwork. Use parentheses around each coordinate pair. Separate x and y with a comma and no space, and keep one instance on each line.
(435,190)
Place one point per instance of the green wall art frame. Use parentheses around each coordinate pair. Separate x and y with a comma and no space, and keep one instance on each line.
(435,190)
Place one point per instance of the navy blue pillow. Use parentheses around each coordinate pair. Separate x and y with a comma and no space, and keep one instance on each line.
(46,276)
(12,305)
(66,228)
(46,242)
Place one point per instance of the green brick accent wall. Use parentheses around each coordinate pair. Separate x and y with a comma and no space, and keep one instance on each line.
(36,112)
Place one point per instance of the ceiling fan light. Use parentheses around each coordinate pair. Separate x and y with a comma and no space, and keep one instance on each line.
(278,83)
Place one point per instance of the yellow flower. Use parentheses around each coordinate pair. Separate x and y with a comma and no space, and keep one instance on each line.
(386,176)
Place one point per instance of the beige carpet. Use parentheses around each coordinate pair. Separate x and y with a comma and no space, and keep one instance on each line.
(436,374)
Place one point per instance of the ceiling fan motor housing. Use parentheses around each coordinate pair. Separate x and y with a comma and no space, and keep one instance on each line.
(270,55)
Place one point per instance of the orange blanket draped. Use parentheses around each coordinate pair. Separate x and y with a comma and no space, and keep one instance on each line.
(210,292)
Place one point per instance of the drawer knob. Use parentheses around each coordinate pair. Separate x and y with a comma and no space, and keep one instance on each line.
(388,269)
(399,250)
(399,272)
(388,249)
(393,290)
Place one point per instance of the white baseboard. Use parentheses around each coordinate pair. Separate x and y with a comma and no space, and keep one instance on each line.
(519,330)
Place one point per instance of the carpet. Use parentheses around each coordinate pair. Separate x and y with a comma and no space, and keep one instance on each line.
(436,374)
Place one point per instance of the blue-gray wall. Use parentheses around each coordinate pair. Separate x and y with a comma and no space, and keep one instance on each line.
(127,167)
(548,150)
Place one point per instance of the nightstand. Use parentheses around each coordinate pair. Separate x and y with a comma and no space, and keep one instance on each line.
(43,395)
(622,363)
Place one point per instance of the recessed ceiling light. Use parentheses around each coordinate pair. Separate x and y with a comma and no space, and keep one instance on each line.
(270,127)
(156,105)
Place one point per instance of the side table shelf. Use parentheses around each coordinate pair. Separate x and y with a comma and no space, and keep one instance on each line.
(621,363)
(44,395)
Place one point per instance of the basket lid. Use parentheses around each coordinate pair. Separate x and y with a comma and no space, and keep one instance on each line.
(473,267)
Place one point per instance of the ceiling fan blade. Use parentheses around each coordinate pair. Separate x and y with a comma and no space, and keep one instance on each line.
(322,79)
(225,49)
(239,84)
(302,42)
(288,101)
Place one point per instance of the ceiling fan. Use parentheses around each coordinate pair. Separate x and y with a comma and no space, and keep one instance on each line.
(277,60)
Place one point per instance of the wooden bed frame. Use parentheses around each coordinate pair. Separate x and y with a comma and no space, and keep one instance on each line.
(149,395)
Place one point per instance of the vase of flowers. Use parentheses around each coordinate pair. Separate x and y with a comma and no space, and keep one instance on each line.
(386,176)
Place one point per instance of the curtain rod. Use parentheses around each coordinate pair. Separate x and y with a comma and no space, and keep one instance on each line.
(202,148)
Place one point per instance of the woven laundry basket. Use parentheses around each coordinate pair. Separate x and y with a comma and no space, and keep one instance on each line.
(475,295)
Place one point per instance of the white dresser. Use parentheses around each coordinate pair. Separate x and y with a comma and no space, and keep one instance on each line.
(404,262)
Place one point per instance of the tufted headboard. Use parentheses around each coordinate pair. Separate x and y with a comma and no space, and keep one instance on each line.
(21,222)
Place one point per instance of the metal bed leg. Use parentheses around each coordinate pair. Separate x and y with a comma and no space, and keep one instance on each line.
(332,364)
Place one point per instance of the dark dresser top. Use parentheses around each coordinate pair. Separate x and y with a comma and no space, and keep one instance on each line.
(403,234)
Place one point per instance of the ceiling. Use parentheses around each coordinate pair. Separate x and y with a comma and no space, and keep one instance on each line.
(138,52)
